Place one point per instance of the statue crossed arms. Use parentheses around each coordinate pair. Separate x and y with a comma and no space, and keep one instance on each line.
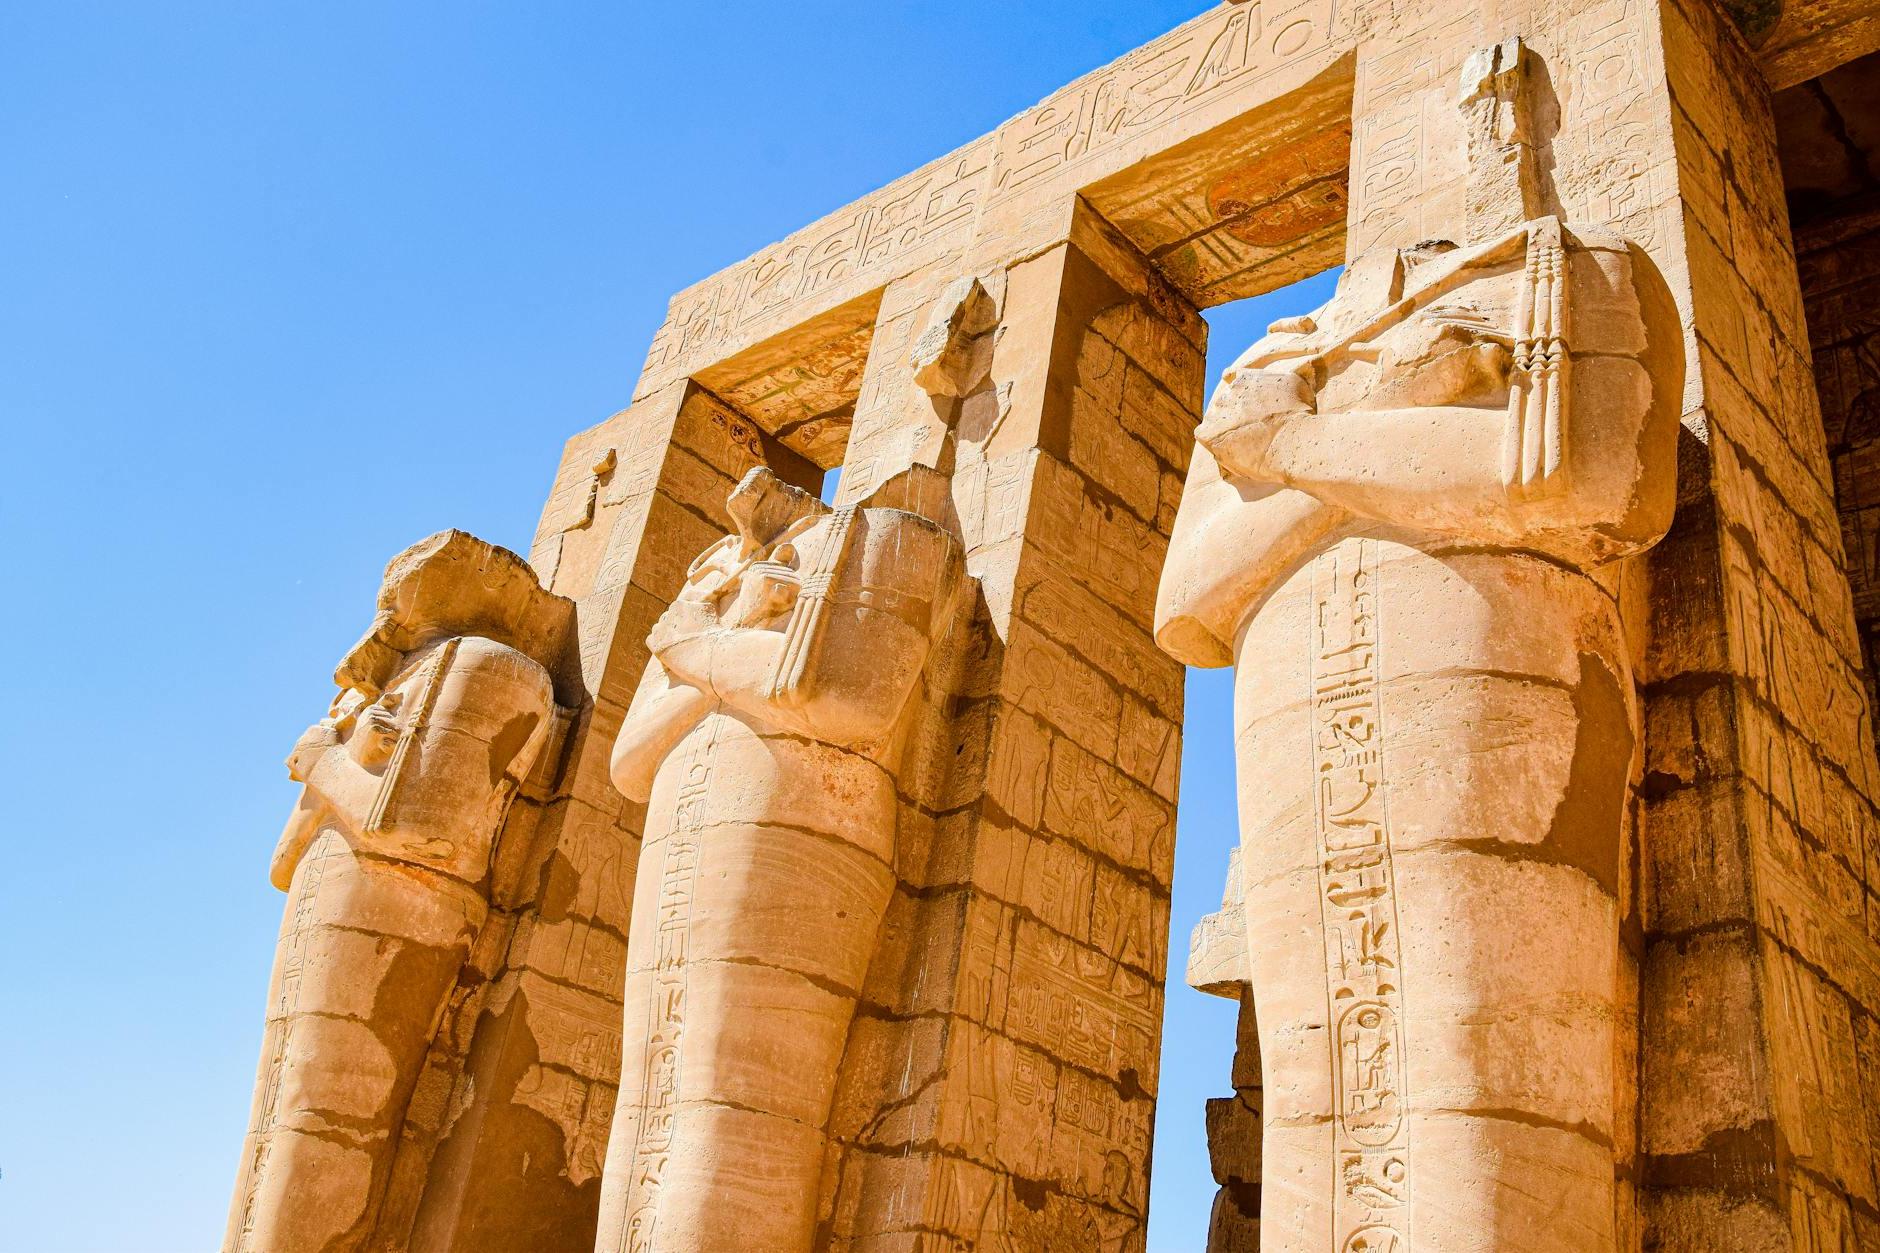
(765,739)
(1403,525)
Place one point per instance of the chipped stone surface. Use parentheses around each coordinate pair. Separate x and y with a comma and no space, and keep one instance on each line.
(388,861)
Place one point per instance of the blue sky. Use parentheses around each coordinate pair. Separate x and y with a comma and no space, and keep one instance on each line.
(287,288)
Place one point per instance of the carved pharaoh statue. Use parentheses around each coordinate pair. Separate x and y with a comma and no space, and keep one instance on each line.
(765,738)
(386,862)
(1403,524)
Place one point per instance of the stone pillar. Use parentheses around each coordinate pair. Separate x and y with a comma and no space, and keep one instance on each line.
(1839,259)
(1217,965)
(1000,1086)
(1762,971)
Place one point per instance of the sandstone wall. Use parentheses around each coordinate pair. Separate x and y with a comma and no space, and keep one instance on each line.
(1840,266)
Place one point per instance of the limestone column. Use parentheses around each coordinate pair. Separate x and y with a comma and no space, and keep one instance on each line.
(1763,769)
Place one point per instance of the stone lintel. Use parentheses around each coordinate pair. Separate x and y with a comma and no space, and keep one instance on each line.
(1205,73)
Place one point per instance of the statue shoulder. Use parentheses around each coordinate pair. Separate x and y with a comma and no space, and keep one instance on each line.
(907,554)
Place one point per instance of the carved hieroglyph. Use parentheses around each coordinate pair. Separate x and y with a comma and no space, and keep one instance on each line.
(765,740)
(1401,526)
(386,864)
(1183,82)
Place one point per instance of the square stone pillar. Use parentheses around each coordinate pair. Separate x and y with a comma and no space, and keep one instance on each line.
(1761,1134)
(1001,1088)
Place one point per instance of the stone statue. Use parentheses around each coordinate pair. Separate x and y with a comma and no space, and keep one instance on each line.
(765,738)
(386,862)
(1401,525)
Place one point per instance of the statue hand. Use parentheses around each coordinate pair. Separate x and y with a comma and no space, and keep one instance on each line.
(1248,410)
(683,619)
(1452,355)
(315,742)
(767,590)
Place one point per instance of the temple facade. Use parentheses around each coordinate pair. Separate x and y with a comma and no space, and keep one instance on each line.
(749,869)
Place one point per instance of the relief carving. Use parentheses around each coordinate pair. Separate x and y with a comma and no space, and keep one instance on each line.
(765,739)
(1068,141)
(1400,525)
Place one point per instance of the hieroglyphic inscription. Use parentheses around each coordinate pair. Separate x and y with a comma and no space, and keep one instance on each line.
(1402,175)
(574,1080)
(878,441)
(1197,65)
(1618,180)
(1080,1005)
(1158,83)
(633,485)
(293,965)
(666,1009)
(928,205)
(1358,900)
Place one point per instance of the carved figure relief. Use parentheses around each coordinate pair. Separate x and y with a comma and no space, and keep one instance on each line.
(765,739)
(386,862)
(1400,524)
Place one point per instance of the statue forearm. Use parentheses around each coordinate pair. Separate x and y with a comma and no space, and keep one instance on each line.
(1428,468)
(858,704)
(296,837)
(662,714)
(1202,598)
(850,705)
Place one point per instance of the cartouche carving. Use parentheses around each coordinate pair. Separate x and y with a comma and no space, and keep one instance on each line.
(765,739)
(386,861)
(1400,524)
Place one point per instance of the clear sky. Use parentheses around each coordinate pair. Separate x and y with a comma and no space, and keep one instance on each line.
(288,287)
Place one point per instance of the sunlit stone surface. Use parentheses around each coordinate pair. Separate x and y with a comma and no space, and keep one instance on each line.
(1548,593)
